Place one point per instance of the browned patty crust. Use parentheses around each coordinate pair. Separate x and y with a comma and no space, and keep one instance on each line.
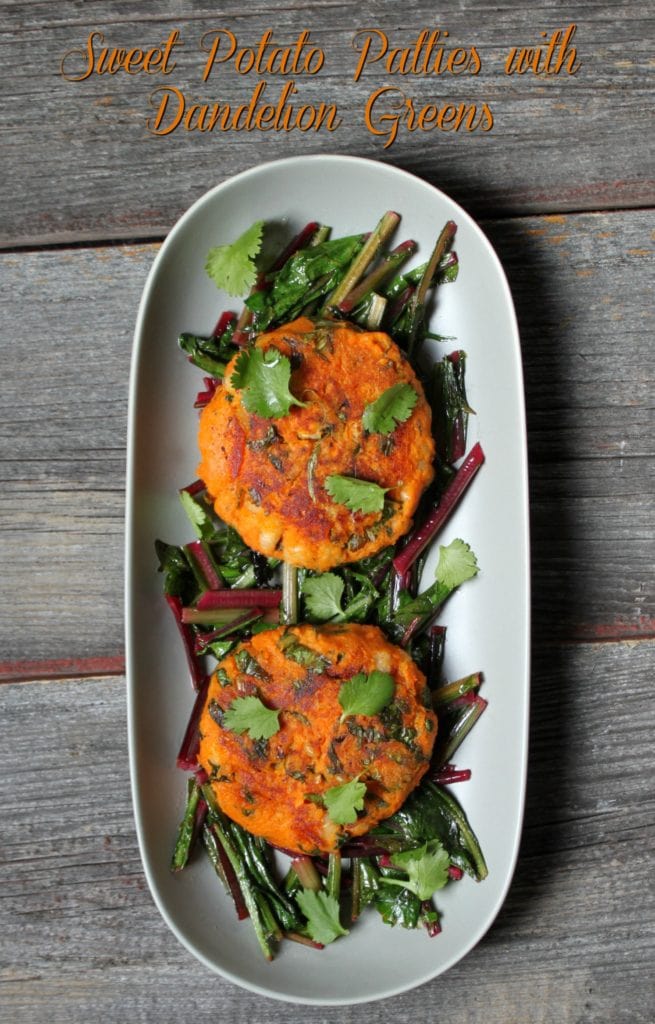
(273,787)
(267,476)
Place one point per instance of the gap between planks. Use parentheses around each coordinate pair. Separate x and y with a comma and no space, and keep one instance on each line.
(114,665)
(89,239)
(61,668)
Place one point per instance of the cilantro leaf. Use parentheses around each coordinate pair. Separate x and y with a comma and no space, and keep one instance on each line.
(322,913)
(357,495)
(366,694)
(232,267)
(323,596)
(343,802)
(264,379)
(457,563)
(394,406)
(248,714)
(199,516)
(427,868)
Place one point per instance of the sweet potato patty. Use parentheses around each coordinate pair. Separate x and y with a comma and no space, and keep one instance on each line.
(275,787)
(268,477)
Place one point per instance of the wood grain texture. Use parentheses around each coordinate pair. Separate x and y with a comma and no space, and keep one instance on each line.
(79,163)
(578,284)
(81,939)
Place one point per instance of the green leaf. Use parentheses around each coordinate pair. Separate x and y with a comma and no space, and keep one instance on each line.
(426,867)
(323,596)
(394,406)
(248,714)
(366,694)
(343,802)
(322,913)
(397,906)
(232,267)
(179,580)
(357,495)
(457,563)
(264,379)
(209,353)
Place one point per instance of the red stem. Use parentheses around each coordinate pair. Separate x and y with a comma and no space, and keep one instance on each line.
(232,881)
(224,321)
(298,242)
(195,668)
(203,398)
(201,640)
(448,774)
(187,758)
(195,487)
(420,538)
(199,553)
(213,599)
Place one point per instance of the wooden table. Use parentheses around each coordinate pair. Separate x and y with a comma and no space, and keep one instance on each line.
(561,186)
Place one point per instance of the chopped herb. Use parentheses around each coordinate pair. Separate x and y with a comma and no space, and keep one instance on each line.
(261,443)
(249,665)
(302,655)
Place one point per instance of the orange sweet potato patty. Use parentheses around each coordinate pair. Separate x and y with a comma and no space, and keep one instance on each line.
(267,476)
(273,787)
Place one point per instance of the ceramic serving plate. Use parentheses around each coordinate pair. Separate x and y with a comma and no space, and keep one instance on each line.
(488,619)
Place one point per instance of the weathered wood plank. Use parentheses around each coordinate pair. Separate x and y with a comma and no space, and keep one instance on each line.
(589,378)
(79,163)
(81,939)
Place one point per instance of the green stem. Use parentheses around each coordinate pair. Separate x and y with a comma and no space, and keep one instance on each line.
(466,831)
(321,234)
(451,691)
(249,893)
(418,299)
(460,730)
(333,883)
(376,309)
(386,226)
(186,830)
(289,607)
(390,262)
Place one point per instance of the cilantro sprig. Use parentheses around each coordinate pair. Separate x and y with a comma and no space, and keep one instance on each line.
(366,694)
(357,495)
(394,406)
(248,714)
(263,378)
(426,867)
(232,267)
(322,913)
(324,598)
